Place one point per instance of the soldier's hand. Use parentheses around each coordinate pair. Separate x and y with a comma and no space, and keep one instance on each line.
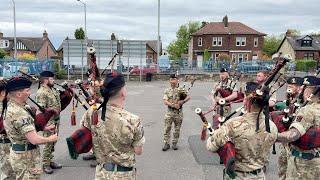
(51,128)
(53,138)
(177,106)
(181,102)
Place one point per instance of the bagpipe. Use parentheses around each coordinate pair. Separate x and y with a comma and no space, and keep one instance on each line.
(227,152)
(41,119)
(311,139)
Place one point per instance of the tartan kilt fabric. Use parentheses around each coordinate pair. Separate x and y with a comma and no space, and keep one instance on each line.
(2,131)
(65,99)
(227,154)
(224,92)
(43,118)
(310,140)
(79,142)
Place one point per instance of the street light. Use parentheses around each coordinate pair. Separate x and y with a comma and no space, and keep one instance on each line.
(15,35)
(85,34)
(158,41)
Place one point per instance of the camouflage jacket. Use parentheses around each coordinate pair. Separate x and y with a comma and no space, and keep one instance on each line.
(172,95)
(252,148)
(49,98)
(115,138)
(310,117)
(17,123)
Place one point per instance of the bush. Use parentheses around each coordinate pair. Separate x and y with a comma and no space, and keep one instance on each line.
(305,65)
(61,74)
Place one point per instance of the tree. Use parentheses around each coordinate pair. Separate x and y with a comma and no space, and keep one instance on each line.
(180,46)
(27,56)
(271,44)
(3,53)
(206,55)
(79,33)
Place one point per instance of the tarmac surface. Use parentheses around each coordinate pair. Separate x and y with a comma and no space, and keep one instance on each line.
(190,162)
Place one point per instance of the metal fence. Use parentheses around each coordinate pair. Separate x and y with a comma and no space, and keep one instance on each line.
(10,67)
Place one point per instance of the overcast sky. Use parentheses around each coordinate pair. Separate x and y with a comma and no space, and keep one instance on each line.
(137,19)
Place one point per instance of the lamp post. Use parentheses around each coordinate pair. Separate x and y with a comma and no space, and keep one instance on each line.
(85,34)
(158,39)
(15,35)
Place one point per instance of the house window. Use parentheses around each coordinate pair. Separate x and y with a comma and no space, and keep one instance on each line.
(200,41)
(216,56)
(240,58)
(234,57)
(4,44)
(308,56)
(306,43)
(241,41)
(246,57)
(255,42)
(217,41)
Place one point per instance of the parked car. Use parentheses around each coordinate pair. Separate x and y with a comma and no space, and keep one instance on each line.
(253,67)
(149,69)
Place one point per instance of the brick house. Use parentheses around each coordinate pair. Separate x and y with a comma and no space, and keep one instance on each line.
(235,39)
(41,47)
(300,47)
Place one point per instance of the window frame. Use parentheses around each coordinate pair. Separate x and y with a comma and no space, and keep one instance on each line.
(200,41)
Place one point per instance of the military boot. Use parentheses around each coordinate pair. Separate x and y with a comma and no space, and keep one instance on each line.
(174,147)
(88,157)
(47,169)
(166,147)
(55,165)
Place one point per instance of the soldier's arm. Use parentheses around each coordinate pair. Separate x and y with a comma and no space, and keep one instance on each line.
(233,96)
(289,136)
(85,120)
(138,138)
(220,137)
(166,99)
(36,139)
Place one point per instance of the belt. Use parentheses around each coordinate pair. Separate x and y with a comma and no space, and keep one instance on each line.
(115,167)
(254,172)
(306,156)
(23,147)
(5,141)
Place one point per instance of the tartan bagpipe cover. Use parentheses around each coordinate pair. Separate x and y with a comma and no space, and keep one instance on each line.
(79,142)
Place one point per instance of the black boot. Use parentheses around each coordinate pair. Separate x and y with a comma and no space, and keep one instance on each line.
(166,147)
(88,157)
(47,169)
(174,147)
(55,165)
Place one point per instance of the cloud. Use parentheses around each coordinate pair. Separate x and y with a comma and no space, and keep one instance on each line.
(138,19)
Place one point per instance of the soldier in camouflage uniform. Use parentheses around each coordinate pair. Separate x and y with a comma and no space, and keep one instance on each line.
(118,135)
(294,84)
(174,113)
(6,171)
(20,127)
(304,164)
(49,97)
(251,144)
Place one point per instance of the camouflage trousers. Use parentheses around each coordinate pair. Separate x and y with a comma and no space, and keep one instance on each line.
(246,176)
(102,174)
(48,149)
(26,165)
(283,161)
(170,119)
(303,169)
(6,171)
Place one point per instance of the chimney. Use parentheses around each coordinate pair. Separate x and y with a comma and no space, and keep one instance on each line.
(1,35)
(225,21)
(45,34)
(113,37)
(203,23)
